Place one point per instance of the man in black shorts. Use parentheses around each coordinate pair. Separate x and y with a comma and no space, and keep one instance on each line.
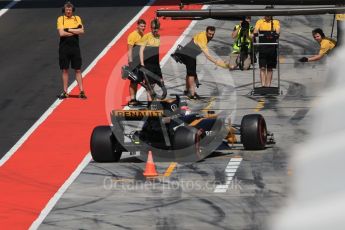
(268,30)
(188,55)
(133,58)
(70,27)
(149,55)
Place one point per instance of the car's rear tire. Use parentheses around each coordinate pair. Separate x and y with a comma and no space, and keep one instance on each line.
(253,132)
(187,139)
(104,146)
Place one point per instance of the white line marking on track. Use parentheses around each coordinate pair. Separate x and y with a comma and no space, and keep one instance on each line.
(222,186)
(230,174)
(233,164)
(228,182)
(44,213)
(237,159)
(232,167)
(8,6)
(230,171)
(220,190)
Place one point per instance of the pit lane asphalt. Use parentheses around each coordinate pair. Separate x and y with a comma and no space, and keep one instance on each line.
(30,76)
(116,196)
(30,81)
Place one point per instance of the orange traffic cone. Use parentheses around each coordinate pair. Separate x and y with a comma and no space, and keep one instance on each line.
(150,169)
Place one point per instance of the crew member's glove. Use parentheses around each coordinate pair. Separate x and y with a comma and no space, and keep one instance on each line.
(176,58)
(222,64)
(303,59)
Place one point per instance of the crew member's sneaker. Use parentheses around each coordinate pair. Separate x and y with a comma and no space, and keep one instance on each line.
(63,95)
(196,96)
(82,95)
(193,97)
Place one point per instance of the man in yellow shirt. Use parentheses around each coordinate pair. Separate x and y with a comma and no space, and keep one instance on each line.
(268,30)
(326,46)
(188,55)
(70,27)
(133,57)
(149,56)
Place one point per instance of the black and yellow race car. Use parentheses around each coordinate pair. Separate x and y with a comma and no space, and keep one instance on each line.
(173,133)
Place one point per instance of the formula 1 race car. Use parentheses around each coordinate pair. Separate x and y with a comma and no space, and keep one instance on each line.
(173,133)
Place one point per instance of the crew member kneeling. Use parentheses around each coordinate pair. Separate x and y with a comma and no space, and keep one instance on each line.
(188,54)
(326,46)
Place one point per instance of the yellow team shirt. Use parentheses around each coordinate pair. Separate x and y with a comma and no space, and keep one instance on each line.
(151,51)
(263,25)
(200,39)
(64,22)
(149,40)
(340,17)
(326,45)
(134,38)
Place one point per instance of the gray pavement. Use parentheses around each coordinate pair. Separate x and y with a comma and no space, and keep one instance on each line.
(116,196)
